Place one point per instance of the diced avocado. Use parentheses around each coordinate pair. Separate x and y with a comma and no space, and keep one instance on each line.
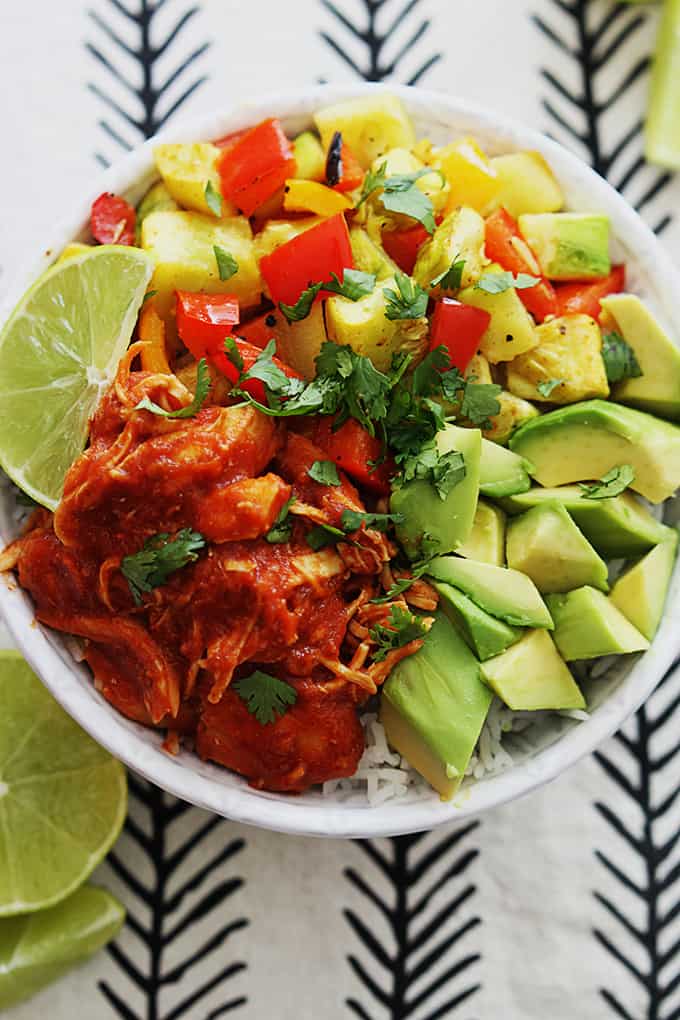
(157,199)
(545,544)
(531,676)
(585,441)
(370,125)
(434,524)
(278,232)
(657,390)
(369,256)
(511,330)
(641,593)
(187,169)
(588,625)
(513,413)
(299,344)
(310,158)
(75,248)
(484,634)
(617,527)
(502,472)
(434,705)
(459,237)
(568,246)
(486,542)
(182,245)
(500,591)
(363,326)
(527,184)
(567,363)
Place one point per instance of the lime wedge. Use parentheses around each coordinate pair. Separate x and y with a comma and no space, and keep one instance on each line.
(62,797)
(36,949)
(59,350)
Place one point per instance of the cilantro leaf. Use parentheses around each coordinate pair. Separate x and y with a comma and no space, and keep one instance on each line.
(619,359)
(452,277)
(403,584)
(303,306)
(480,403)
(147,297)
(274,378)
(233,353)
(352,520)
(401,628)
(282,527)
(322,535)
(266,696)
(409,301)
(411,202)
(448,472)
(497,283)
(324,472)
(354,285)
(213,199)
(227,266)
(372,181)
(159,557)
(613,483)
(546,387)
(202,388)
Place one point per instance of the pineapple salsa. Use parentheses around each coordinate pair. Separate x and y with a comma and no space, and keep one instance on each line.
(461,349)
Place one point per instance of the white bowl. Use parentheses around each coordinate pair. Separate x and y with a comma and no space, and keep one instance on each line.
(556,743)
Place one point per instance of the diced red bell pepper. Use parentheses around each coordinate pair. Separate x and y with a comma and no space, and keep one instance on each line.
(354,449)
(506,246)
(352,172)
(259,331)
(230,140)
(403,246)
(584,298)
(308,258)
(256,166)
(112,220)
(205,320)
(249,355)
(459,328)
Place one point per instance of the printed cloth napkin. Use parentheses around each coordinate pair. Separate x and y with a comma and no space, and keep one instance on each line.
(564,905)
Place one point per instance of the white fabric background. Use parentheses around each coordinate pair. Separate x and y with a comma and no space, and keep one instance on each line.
(536,870)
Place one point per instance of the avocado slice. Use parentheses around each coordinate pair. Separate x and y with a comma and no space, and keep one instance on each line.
(657,390)
(486,541)
(587,440)
(310,158)
(641,592)
(545,544)
(500,591)
(433,707)
(588,625)
(484,634)
(568,246)
(531,676)
(511,330)
(616,526)
(436,525)
(502,472)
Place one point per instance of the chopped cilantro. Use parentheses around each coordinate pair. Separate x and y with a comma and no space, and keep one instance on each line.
(400,194)
(322,535)
(233,353)
(546,387)
(324,472)
(227,266)
(613,483)
(619,359)
(409,301)
(401,628)
(452,277)
(478,401)
(282,527)
(147,297)
(202,388)
(159,557)
(403,584)
(354,285)
(352,520)
(266,696)
(213,199)
(497,283)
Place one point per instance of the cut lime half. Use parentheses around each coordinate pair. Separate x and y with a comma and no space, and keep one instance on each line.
(59,350)
(63,798)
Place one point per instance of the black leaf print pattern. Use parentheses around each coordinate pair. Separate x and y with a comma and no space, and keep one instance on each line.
(369,51)
(601,41)
(178,898)
(139,97)
(644,907)
(417,888)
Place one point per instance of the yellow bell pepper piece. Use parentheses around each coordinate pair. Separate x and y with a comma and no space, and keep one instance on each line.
(151,329)
(71,250)
(309,196)
(472,179)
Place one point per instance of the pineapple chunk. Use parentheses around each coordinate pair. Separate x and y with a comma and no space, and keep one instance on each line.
(511,330)
(370,126)
(569,350)
(182,246)
(299,343)
(278,232)
(472,179)
(459,236)
(527,184)
(362,325)
(513,413)
(186,170)
(157,199)
(370,257)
